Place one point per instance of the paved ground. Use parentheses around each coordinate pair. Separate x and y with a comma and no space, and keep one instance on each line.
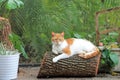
(30,73)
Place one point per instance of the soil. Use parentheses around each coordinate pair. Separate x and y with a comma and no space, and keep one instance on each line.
(30,73)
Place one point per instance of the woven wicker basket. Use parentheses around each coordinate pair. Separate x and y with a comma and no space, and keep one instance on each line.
(69,67)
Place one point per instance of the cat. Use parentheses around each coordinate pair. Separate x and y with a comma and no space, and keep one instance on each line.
(72,46)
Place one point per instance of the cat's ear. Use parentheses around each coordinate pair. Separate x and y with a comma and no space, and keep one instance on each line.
(62,33)
(53,33)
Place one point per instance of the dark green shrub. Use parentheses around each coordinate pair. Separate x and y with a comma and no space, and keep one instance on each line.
(108,60)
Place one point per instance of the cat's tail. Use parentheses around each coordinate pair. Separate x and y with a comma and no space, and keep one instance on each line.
(91,54)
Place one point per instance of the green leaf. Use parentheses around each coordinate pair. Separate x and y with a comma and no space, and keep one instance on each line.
(113,34)
(18,44)
(105,53)
(23,52)
(19,3)
(1,1)
(76,35)
(114,58)
(11,4)
(10,36)
(102,61)
(44,37)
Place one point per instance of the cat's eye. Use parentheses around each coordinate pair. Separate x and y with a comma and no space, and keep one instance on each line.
(55,39)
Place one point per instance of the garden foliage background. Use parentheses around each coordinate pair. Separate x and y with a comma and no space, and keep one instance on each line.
(38,18)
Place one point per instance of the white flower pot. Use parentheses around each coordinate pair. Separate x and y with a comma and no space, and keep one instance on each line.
(9,66)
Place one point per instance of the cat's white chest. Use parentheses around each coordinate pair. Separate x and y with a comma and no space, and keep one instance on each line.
(59,48)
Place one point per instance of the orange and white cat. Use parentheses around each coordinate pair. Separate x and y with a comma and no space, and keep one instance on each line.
(72,46)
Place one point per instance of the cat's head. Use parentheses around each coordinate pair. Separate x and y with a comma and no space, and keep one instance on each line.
(57,38)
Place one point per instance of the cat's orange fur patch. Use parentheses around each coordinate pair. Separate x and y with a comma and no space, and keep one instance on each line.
(70,41)
(67,50)
(87,56)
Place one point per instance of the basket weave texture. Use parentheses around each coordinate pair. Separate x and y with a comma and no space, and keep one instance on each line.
(74,66)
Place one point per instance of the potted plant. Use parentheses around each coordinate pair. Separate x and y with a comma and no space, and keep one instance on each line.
(10,44)
(108,61)
(110,52)
(9,57)
(6,6)
(9,60)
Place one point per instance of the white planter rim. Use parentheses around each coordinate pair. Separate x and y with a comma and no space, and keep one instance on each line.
(17,53)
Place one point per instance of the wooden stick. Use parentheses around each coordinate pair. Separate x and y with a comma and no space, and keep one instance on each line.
(97,22)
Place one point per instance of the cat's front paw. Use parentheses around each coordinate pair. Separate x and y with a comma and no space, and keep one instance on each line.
(55,52)
(55,60)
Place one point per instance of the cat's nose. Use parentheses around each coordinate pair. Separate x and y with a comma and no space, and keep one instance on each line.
(57,42)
